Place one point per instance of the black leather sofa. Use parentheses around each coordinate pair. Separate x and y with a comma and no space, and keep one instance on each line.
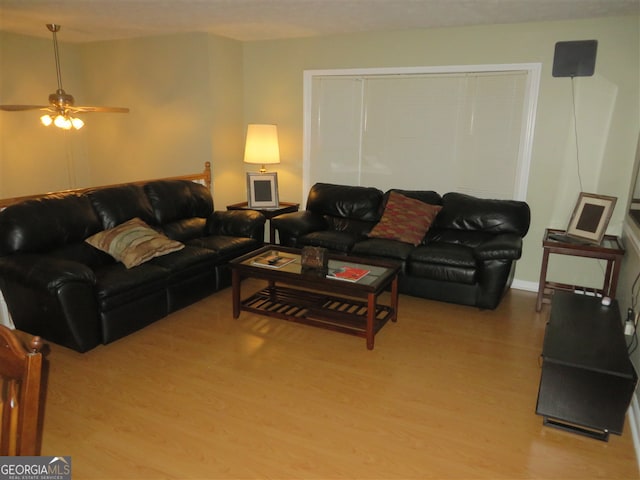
(467,256)
(58,286)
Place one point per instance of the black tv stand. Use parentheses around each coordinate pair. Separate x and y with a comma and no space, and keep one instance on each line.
(587,379)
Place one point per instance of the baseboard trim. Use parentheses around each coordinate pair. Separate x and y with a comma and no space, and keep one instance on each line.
(524,285)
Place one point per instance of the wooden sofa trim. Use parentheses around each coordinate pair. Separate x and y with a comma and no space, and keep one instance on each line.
(204,176)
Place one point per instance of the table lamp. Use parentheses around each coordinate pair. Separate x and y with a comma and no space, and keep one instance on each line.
(261,145)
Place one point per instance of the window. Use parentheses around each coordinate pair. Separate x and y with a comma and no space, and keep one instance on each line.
(465,129)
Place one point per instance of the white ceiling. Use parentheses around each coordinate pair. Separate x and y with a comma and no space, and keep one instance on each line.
(91,20)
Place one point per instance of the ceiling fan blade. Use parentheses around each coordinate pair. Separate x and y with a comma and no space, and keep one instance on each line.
(83,109)
(17,108)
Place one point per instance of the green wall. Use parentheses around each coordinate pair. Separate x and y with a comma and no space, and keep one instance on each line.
(185,97)
(606,107)
(163,132)
(191,96)
(34,158)
(186,107)
(227,127)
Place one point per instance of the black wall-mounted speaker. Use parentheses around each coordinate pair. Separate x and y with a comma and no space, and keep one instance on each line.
(575,59)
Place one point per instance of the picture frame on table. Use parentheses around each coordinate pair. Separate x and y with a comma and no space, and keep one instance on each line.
(262,190)
(591,217)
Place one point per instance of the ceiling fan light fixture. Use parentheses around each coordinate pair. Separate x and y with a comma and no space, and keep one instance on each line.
(64,121)
(61,104)
(77,123)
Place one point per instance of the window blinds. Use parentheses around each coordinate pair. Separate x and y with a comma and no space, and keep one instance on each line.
(461,131)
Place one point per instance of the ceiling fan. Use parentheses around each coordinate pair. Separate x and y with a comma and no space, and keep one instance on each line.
(61,105)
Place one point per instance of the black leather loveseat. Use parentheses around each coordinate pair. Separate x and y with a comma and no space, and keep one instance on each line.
(466,256)
(66,290)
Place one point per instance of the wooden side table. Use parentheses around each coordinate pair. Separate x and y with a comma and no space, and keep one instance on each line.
(610,249)
(269,213)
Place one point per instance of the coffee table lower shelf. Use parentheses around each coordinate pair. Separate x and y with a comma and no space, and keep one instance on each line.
(318,309)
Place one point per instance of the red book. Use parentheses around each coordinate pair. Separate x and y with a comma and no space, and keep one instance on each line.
(349,274)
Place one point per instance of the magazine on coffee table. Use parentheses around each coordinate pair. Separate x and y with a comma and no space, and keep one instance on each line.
(348,274)
(272,260)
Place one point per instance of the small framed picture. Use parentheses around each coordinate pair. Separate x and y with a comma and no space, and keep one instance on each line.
(262,190)
(314,257)
(591,217)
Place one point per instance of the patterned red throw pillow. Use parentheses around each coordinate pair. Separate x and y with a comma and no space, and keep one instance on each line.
(405,219)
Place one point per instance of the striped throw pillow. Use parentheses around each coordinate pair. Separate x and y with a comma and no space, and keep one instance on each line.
(133,242)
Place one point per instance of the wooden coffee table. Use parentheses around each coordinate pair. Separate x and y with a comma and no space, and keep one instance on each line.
(307,296)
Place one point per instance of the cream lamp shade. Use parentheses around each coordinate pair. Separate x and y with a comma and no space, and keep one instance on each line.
(261,146)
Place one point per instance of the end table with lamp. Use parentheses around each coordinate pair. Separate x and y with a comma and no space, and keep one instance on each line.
(261,147)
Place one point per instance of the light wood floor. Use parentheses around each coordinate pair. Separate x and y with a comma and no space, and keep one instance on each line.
(449,392)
